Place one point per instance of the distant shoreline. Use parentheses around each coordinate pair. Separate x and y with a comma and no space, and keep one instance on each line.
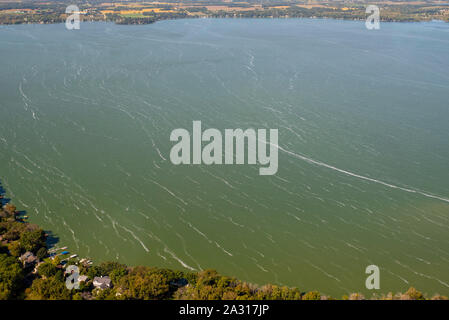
(151,12)
(226,18)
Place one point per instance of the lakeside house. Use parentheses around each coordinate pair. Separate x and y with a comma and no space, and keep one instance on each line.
(102,282)
(28,259)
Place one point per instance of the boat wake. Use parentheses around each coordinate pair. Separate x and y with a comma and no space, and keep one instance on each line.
(352,174)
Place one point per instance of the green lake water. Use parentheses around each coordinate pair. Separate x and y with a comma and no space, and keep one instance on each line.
(86,116)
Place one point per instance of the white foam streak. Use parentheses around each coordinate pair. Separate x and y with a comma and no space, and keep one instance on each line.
(352,174)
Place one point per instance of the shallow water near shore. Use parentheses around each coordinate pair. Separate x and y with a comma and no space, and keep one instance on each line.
(86,117)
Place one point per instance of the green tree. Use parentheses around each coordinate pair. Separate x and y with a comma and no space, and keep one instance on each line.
(145,283)
(312,295)
(106,294)
(48,289)
(42,253)
(15,248)
(56,260)
(94,271)
(110,266)
(11,230)
(117,274)
(11,276)
(33,240)
(47,269)
(414,294)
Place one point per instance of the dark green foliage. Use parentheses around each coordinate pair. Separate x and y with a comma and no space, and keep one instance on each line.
(59,276)
(114,270)
(274,292)
(414,294)
(11,276)
(312,295)
(117,274)
(94,271)
(146,283)
(106,294)
(48,289)
(209,285)
(108,267)
(15,249)
(32,240)
(42,253)
(47,269)
(11,230)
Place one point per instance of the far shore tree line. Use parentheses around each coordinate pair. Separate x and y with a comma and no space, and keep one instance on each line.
(54,12)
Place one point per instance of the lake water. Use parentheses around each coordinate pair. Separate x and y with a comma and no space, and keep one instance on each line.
(86,116)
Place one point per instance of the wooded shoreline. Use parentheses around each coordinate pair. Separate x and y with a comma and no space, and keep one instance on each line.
(151,12)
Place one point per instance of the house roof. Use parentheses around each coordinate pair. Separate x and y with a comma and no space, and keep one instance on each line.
(82,278)
(102,282)
(28,257)
(104,279)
